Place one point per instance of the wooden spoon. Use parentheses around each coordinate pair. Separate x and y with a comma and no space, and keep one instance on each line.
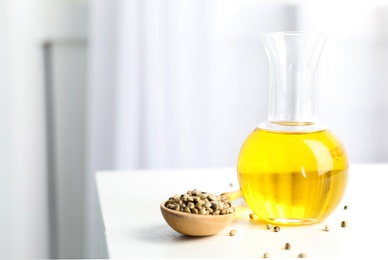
(198,225)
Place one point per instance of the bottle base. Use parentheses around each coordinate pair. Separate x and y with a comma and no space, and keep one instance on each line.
(291,221)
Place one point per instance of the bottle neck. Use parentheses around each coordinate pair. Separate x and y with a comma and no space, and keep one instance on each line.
(292,94)
(293,57)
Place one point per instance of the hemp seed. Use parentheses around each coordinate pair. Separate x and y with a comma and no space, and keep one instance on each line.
(327,228)
(251,216)
(269,226)
(302,255)
(232,232)
(344,223)
(287,246)
(198,202)
(266,255)
(276,228)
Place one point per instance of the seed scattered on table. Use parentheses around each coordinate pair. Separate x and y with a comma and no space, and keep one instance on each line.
(251,216)
(346,207)
(269,226)
(202,203)
(302,255)
(266,255)
(344,223)
(232,232)
(287,246)
(276,228)
(327,228)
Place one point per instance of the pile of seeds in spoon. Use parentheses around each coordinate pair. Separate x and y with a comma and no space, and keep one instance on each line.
(198,202)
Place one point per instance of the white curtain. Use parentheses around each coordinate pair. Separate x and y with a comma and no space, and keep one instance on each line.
(190,78)
(186,80)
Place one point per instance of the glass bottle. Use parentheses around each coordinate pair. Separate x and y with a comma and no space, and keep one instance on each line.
(292,169)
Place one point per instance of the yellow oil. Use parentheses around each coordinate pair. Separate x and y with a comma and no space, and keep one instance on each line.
(292,178)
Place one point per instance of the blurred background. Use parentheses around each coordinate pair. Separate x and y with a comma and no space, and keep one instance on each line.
(147,84)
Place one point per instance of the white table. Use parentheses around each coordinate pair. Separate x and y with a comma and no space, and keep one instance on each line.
(135,228)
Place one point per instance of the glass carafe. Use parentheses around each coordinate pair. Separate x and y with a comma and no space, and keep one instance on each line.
(292,169)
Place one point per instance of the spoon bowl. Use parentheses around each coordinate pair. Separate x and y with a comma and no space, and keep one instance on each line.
(193,224)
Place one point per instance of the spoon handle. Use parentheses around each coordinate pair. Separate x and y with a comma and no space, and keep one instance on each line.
(232,195)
